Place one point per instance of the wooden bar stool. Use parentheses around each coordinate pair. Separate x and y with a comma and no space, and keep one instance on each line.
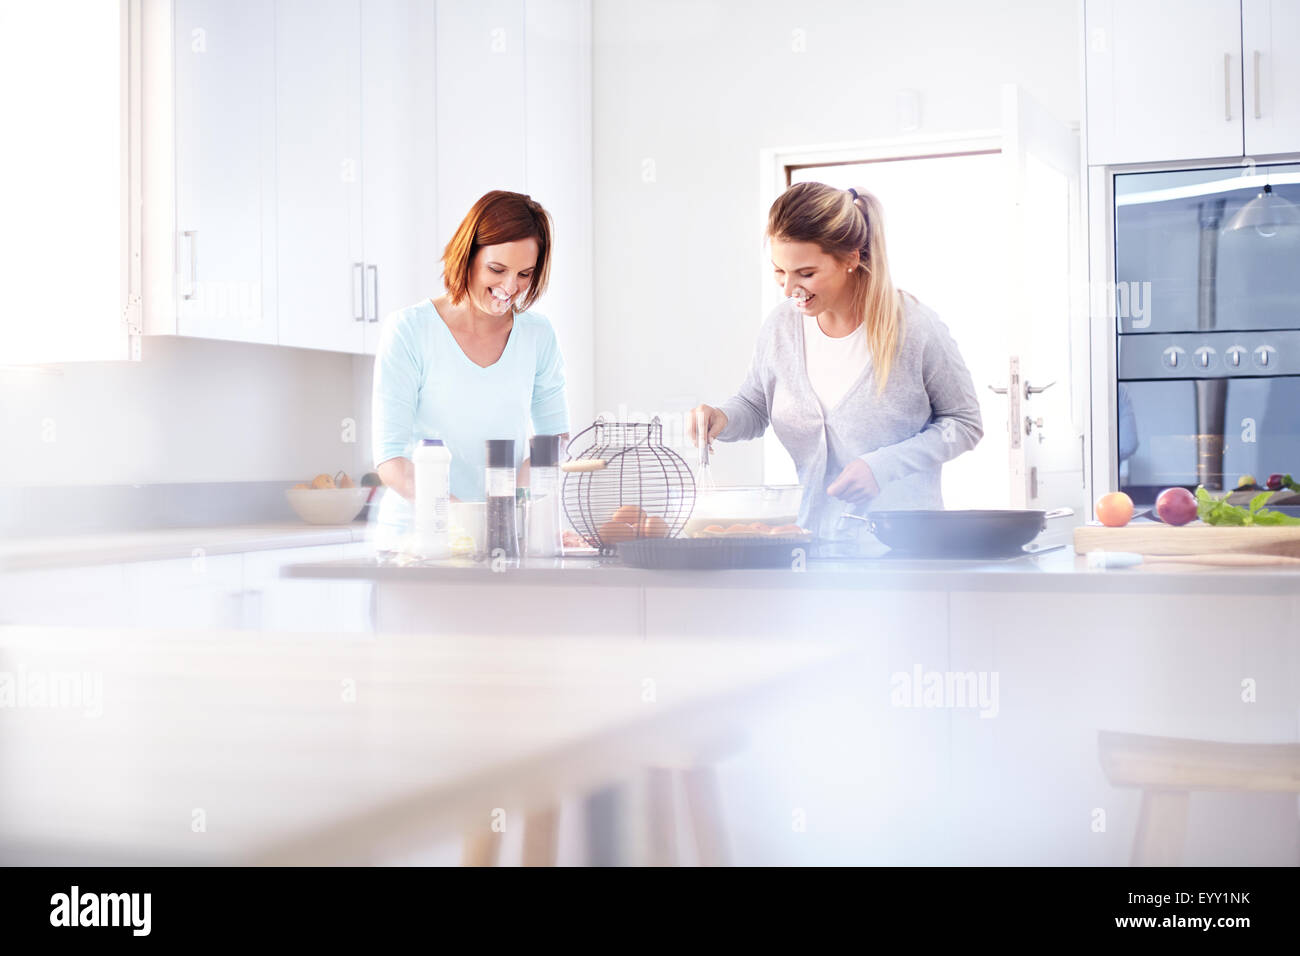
(1169,769)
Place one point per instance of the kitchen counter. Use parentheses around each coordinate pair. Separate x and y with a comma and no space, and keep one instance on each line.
(1064,652)
(1055,570)
(65,551)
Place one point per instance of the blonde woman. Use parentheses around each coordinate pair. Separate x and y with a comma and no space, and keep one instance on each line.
(862,384)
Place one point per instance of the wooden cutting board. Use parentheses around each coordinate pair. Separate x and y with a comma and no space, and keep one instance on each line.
(1195,538)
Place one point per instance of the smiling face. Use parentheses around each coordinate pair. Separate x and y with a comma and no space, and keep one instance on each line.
(501,274)
(824,278)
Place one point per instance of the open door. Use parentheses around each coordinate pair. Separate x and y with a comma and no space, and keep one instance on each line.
(1046,384)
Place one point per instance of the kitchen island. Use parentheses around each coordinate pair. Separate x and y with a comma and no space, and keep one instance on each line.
(983,688)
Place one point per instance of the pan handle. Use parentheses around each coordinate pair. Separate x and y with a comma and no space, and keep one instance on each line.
(1059,513)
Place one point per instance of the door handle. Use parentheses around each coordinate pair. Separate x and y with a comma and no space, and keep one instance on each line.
(193,236)
(1227,87)
(358,315)
(1258,115)
(1029,389)
(374,293)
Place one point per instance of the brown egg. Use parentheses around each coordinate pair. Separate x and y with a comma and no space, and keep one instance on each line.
(629,514)
(302,485)
(612,532)
(653,526)
(322,481)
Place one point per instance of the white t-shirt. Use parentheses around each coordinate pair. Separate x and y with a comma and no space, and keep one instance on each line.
(834,365)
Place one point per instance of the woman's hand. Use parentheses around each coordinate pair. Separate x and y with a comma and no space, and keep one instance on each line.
(855,483)
(713,419)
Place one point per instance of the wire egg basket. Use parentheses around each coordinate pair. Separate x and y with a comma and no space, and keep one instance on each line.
(627,484)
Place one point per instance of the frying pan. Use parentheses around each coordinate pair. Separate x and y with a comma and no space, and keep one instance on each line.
(958,534)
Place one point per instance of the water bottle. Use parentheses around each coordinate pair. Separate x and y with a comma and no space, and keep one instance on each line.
(432,498)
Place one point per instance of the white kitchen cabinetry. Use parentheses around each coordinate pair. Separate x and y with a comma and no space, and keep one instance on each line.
(305,605)
(96,596)
(398,158)
(354,130)
(1163,83)
(1271,58)
(208,136)
(306,162)
(200,592)
(318,155)
(1212,79)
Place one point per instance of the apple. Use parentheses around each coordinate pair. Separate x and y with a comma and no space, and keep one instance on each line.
(1176,506)
(1274,482)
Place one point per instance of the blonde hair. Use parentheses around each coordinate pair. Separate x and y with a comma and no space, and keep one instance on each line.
(842,222)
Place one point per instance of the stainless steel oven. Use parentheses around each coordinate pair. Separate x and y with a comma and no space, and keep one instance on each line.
(1207,297)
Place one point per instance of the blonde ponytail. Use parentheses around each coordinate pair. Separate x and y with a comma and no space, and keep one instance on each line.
(843,222)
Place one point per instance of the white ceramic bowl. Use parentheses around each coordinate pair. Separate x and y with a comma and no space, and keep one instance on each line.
(327,505)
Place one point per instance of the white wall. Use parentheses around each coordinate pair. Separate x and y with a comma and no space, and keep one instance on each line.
(685,96)
(193,410)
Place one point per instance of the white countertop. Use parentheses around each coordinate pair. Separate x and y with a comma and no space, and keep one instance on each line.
(31,554)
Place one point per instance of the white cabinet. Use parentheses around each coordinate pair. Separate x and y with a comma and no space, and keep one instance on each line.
(318,155)
(196,593)
(354,132)
(208,128)
(305,605)
(398,158)
(1271,57)
(1163,84)
(1212,79)
(96,596)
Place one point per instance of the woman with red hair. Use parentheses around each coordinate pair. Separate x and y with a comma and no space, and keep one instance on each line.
(473,364)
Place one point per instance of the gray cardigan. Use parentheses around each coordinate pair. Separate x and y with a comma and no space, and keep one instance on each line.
(928,414)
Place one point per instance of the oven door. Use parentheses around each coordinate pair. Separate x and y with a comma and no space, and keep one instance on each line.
(1208,431)
(1204,250)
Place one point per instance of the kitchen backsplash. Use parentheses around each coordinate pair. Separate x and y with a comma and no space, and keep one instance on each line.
(198,432)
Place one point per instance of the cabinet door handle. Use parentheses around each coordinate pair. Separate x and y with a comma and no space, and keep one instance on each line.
(358,314)
(374,291)
(193,236)
(1258,115)
(1227,87)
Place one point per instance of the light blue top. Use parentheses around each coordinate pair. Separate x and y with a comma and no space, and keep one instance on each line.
(426,387)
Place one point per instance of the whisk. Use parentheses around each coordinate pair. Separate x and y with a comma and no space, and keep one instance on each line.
(703,478)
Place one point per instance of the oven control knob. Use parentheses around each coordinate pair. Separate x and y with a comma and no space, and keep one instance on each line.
(1264,356)
(1204,356)
(1234,355)
(1173,356)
